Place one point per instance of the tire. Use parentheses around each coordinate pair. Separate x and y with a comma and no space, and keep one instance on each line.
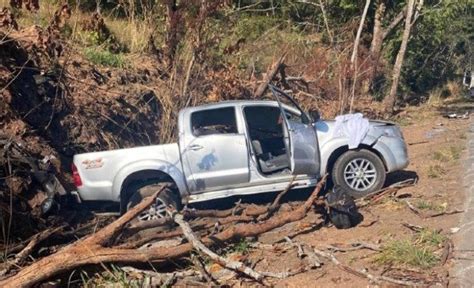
(349,173)
(168,197)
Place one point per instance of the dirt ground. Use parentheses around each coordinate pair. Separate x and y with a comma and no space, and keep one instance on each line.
(436,149)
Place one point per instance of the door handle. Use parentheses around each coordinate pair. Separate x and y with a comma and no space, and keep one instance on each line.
(195,147)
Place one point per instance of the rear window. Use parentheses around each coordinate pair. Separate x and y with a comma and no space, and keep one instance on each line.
(214,121)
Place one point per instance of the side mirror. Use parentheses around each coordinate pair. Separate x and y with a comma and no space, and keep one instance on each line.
(314,114)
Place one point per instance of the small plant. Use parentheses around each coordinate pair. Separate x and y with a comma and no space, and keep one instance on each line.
(426,205)
(104,57)
(405,252)
(436,171)
(113,277)
(242,247)
(448,154)
(430,237)
(416,252)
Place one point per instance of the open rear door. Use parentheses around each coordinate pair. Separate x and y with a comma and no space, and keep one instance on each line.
(302,142)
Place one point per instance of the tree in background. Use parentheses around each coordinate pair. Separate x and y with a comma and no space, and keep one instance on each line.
(390,99)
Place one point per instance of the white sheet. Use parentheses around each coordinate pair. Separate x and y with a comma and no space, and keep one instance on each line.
(352,126)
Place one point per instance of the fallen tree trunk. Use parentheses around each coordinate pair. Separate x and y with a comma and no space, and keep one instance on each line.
(269,76)
(94,250)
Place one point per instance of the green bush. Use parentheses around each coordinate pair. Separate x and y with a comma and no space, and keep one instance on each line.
(104,57)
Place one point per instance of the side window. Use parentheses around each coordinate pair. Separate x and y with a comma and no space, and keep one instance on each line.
(214,121)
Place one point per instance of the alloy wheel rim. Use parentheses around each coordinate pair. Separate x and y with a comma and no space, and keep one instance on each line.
(360,174)
(157,210)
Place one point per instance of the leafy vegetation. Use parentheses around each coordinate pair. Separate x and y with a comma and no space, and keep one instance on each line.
(104,57)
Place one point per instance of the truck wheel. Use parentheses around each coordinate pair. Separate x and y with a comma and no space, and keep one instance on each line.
(360,172)
(157,210)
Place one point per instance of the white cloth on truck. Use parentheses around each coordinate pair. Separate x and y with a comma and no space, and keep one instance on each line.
(353,126)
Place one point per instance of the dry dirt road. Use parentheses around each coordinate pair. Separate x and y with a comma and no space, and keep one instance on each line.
(437,149)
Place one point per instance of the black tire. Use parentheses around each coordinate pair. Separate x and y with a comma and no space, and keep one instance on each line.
(354,155)
(169,196)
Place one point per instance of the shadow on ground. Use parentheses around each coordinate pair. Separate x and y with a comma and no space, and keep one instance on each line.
(399,176)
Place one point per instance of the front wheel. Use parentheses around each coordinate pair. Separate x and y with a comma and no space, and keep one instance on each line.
(157,210)
(360,172)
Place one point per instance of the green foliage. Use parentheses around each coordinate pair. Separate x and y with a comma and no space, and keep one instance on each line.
(438,50)
(242,247)
(104,57)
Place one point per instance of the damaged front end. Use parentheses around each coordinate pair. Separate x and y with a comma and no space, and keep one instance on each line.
(24,172)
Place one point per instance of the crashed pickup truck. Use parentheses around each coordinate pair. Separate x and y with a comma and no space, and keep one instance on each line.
(240,148)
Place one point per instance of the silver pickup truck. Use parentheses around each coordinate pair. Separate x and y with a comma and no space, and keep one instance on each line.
(240,148)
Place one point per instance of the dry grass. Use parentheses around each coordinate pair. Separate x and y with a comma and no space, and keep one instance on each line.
(448,154)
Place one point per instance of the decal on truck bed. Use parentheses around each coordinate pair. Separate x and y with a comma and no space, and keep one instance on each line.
(93,164)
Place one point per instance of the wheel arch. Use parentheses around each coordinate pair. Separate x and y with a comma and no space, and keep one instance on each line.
(160,171)
(139,179)
(336,153)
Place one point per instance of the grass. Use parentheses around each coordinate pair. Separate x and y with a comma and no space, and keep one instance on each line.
(448,154)
(426,205)
(404,252)
(113,277)
(416,252)
(436,171)
(102,57)
(430,237)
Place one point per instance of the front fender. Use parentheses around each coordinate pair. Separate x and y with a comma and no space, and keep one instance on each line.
(174,172)
(332,145)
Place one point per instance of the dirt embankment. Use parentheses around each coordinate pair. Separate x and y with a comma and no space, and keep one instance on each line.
(55,104)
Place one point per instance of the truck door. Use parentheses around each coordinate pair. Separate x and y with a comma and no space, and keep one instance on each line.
(301,138)
(213,150)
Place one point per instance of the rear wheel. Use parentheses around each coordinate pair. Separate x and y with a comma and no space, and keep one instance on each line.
(360,172)
(167,197)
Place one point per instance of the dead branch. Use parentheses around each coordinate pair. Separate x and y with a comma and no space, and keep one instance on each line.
(23,254)
(355,246)
(94,249)
(424,215)
(447,251)
(455,211)
(412,227)
(202,270)
(364,273)
(377,195)
(201,248)
(269,76)
(413,209)
(303,251)
(76,254)
(276,203)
